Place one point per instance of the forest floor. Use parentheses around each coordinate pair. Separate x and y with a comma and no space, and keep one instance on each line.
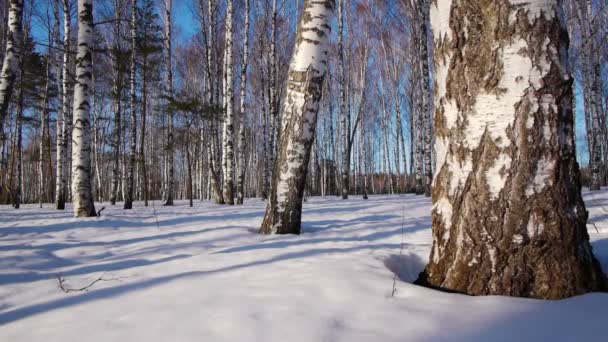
(204,274)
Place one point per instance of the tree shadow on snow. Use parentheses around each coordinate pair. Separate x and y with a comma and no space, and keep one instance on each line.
(108,292)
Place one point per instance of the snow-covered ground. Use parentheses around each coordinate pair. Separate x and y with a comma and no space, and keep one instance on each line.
(204,274)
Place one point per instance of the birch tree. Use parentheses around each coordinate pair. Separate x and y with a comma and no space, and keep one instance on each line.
(228,155)
(240,183)
(169,84)
(345,115)
(11,56)
(81,133)
(117,92)
(132,104)
(307,71)
(508,216)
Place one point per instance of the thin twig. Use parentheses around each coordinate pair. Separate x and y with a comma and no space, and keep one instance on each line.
(61,280)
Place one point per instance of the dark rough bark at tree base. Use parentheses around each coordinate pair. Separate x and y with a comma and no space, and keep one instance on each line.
(508,215)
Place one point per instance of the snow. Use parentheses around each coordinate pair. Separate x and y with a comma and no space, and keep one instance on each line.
(203,273)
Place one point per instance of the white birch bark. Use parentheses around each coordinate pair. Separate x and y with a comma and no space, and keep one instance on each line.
(133,107)
(169,84)
(242,115)
(344,113)
(508,216)
(61,151)
(10,64)
(298,118)
(81,132)
(117,106)
(228,143)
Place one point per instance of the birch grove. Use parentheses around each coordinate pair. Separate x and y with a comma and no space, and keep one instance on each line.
(495,108)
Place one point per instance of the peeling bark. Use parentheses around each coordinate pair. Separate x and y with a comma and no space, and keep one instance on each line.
(298,118)
(10,65)
(508,216)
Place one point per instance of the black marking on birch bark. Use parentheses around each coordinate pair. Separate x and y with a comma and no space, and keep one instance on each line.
(518,243)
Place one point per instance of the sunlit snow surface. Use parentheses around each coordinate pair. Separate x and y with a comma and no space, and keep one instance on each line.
(204,274)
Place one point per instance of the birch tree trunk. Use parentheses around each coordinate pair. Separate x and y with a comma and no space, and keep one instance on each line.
(228,155)
(343,111)
(169,84)
(273,91)
(61,154)
(132,150)
(19,138)
(44,122)
(508,216)
(117,90)
(240,183)
(10,64)
(299,117)
(62,146)
(363,155)
(81,132)
(423,10)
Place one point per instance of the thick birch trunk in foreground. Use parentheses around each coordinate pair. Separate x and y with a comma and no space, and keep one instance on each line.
(228,155)
(81,133)
(299,118)
(508,216)
(11,58)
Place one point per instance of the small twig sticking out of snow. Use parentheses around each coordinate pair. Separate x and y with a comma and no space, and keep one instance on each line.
(61,280)
(100,210)
(594,225)
(400,250)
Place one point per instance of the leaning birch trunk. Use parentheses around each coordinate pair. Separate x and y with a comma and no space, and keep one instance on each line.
(240,182)
(169,84)
(228,155)
(508,215)
(11,57)
(81,133)
(132,149)
(299,117)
